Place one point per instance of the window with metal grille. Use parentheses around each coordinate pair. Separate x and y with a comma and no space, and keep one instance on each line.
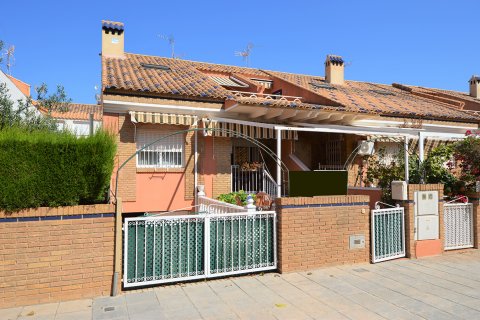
(166,153)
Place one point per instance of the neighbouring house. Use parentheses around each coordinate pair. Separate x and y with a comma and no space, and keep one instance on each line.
(17,89)
(311,122)
(76,118)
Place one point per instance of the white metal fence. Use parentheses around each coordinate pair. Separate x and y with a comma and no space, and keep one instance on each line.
(253,181)
(208,205)
(176,248)
(388,234)
(458,222)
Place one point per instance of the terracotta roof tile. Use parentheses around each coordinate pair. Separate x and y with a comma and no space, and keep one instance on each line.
(366,97)
(191,79)
(78,111)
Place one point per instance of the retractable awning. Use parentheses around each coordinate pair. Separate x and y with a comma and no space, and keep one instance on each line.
(162,118)
(255,132)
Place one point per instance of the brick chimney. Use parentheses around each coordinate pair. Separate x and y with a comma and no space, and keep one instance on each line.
(112,39)
(334,69)
(475,86)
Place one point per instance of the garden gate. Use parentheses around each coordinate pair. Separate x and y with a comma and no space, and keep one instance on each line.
(163,249)
(388,234)
(458,222)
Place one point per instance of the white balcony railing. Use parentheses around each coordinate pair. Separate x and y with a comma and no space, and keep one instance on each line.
(209,205)
(253,181)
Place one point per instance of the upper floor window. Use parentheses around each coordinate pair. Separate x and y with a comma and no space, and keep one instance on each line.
(166,153)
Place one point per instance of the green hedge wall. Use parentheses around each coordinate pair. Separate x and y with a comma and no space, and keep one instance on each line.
(42,168)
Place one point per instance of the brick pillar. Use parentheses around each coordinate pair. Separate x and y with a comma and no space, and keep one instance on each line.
(475,200)
(413,247)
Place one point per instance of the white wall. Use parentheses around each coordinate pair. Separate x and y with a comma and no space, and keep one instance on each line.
(14,92)
(79,127)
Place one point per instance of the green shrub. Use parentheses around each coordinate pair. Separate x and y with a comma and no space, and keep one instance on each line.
(230,197)
(45,168)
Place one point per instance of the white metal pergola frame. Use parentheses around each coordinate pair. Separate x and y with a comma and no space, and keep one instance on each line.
(442,131)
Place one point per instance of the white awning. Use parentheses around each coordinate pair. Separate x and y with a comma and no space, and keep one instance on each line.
(228,129)
(162,118)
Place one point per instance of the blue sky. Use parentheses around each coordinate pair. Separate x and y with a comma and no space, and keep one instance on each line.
(429,43)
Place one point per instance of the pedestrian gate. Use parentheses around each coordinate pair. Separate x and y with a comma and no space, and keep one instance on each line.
(165,249)
(458,222)
(388,234)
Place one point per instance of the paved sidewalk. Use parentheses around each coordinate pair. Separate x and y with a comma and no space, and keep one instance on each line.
(446,287)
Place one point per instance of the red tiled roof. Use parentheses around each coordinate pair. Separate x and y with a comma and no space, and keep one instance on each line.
(188,79)
(447,94)
(78,111)
(366,97)
(22,86)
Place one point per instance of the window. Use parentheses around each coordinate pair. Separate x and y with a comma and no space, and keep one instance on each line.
(166,153)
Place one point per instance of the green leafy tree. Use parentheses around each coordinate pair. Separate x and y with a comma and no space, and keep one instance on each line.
(26,113)
(467,155)
(436,168)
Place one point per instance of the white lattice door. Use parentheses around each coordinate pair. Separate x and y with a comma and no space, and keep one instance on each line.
(458,222)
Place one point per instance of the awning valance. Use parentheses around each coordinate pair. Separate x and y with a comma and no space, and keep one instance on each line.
(227,129)
(223,129)
(162,118)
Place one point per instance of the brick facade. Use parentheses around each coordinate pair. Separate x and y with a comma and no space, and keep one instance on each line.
(314,232)
(127,187)
(410,242)
(55,254)
(475,200)
(222,148)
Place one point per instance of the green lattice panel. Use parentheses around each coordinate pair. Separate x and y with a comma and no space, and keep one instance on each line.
(241,243)
(164,249)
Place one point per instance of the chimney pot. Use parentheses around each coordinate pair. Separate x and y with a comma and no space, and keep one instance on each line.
(113,39)
(334,69)
(475,86)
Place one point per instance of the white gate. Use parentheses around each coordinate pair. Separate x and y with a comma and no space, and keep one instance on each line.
(388,234)
(163,249)
(458,222)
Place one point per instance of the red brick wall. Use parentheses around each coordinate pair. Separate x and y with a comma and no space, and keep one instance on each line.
(314,232)
(375,194)
(55,254)
(475,199)
(410,242)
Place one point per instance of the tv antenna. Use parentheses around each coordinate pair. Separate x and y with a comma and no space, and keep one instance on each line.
(10,58)
(171,42)
(245,54)
(97,94)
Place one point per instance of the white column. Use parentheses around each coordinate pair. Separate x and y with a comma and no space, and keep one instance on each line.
(421,147)
(421,156)
(406,159)
(279,163)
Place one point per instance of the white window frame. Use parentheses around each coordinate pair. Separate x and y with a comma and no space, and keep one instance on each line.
(165,154)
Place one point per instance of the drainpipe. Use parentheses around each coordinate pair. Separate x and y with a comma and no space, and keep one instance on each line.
(407,177)
(195,176)
(118,245)
(279,163)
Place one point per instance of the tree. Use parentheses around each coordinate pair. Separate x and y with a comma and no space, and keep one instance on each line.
(1,48)
(467,155)
(436,168)
(26,113)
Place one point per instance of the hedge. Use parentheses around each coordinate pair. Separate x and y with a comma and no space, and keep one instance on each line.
(42,168)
